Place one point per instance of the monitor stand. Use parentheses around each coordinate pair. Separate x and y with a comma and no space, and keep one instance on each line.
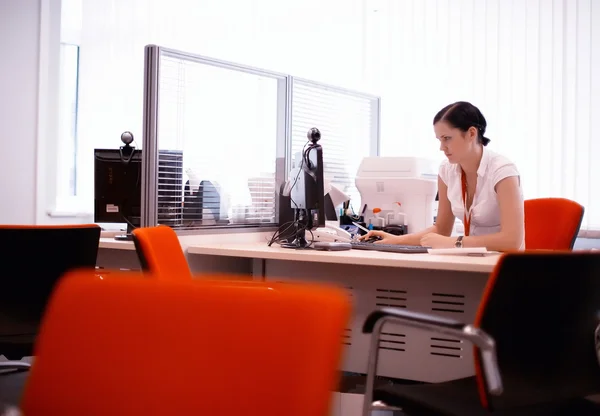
(302,223)
(128,236)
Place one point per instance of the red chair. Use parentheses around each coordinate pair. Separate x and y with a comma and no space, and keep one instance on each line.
(159,251)
(129,345)
(552,223)
(536,337)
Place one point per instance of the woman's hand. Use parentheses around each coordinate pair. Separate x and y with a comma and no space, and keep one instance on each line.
(434,240)
(385,238)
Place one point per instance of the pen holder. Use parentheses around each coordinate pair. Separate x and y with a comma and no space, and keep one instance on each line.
(347,220)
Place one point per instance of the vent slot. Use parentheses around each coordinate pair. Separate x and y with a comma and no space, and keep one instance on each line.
(350,290)
(347,337)
(448,302)
(446,347)
(392,341)
(391,298)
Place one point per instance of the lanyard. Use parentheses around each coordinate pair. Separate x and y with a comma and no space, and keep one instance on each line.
(467,212)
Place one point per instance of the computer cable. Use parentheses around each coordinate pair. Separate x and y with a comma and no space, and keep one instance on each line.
(127,138)
(279,236)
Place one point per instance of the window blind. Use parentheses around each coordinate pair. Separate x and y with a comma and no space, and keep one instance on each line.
(349,125)
(218,132)
(530,66)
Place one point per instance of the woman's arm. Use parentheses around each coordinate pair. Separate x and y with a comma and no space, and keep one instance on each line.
(443,224)
(512,218)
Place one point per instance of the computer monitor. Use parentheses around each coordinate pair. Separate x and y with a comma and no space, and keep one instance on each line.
(118,186)
(307,197)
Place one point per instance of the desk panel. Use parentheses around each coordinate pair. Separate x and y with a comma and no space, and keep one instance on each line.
(404,352)
(446,285)
(118,258)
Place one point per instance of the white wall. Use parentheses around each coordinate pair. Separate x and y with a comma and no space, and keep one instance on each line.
(19,55)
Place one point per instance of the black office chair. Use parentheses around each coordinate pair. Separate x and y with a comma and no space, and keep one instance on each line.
(32,259)
(537,338)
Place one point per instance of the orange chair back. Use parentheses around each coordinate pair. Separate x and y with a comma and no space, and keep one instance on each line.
(160,253)
(552,223)
(128,345)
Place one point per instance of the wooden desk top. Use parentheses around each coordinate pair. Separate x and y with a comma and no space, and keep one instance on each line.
(110,242)
(260,250)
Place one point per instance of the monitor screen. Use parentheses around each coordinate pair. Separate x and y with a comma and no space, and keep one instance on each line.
(307,191)
(117,186)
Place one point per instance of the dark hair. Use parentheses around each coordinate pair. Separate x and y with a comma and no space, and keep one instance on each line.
(463,115)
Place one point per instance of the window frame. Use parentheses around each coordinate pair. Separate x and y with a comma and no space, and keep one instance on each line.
(151,141)
(49,208)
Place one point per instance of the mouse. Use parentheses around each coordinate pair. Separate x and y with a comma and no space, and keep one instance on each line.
(373,239)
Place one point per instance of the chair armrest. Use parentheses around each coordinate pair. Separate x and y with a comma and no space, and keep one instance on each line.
(478,337)
(414,319)
(14,365)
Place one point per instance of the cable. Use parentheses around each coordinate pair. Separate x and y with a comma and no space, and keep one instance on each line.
(298,227)
(279,235)
(304,150)
(127,162)
(133,227)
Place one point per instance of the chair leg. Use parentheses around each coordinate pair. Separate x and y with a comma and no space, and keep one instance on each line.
(371,370)
(377,408)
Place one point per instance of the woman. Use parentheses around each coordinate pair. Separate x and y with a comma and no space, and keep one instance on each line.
(475,184)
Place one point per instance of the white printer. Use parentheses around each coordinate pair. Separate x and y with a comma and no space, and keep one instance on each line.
(401,190)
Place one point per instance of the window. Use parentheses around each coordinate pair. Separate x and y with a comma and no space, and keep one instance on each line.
(530,66)
(223,126)
(222,122)
(288,37)
(67,125)
(349,125)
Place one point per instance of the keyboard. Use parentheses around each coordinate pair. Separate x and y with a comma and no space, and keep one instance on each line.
(391,248)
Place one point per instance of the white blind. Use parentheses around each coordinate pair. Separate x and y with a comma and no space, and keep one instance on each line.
(349,125)
(531,66)
(217,139)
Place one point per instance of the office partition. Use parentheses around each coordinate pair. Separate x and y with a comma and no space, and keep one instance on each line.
(219,138)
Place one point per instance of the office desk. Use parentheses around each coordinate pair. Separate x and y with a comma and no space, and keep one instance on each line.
(446,285)
(259,250)
(115,254)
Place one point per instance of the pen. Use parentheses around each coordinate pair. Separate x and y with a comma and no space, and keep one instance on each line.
(360,226)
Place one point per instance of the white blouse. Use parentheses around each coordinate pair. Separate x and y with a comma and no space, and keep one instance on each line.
(485,211)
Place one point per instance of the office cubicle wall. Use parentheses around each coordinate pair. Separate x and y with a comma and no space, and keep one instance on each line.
(233,125)
(228,121)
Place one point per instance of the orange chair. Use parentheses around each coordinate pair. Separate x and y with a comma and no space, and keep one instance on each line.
(537,338)
(552,223)
(159,251)
(131,345)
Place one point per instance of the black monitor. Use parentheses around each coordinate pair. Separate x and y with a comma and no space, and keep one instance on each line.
(118,186)
(307,191)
